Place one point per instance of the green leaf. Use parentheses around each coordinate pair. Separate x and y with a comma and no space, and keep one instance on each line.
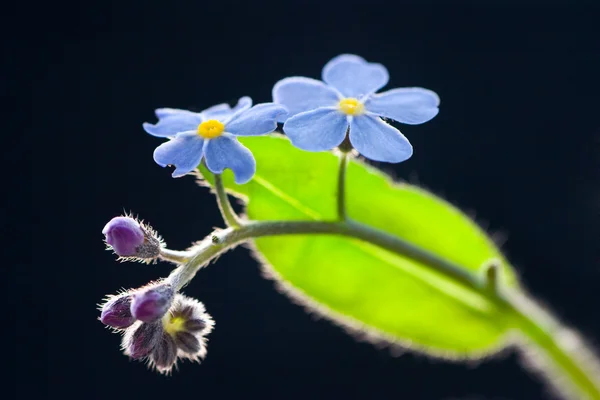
(357,284)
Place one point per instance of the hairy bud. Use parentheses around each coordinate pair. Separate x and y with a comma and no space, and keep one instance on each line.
(128,238)
(125,235)
(116,312)
(151,304)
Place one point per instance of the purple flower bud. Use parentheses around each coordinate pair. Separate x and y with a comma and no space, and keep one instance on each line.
(153,303)
(143,340)
(116,312)
(125,235)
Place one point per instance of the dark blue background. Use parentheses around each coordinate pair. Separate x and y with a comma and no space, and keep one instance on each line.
(516,145)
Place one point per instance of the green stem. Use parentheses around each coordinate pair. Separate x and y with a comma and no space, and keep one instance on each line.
(341,187)
(174,256)
(229,215)
(210,247)
(539,328)
(556,351)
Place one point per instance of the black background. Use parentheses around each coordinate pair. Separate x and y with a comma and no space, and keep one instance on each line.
(515,144)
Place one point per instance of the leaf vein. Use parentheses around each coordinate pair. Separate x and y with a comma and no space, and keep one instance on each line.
(472,300)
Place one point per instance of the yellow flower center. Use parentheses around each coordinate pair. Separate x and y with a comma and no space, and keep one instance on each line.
(351,106)
(211,129)
(172,325)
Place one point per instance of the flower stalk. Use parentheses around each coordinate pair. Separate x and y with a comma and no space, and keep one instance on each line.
(344,111)
(541,330)
(229,216)
(341,187)
(174,256)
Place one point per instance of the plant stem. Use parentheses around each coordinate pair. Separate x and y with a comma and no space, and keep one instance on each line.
(556,351)
(230,237)
(543,331)
(341,187)
(229,215)
(174,256)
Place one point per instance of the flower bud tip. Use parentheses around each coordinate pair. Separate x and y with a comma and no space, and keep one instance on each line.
(151,304)
(124,235)
(116,312)
(129,238)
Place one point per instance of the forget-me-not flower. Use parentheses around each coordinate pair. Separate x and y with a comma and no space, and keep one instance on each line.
(212,134)
(321,113)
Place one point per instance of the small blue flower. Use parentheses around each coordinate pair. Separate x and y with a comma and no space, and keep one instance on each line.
(321,113)
(212,134)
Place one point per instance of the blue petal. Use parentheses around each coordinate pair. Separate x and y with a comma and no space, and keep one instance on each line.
(378,141)
(317,130)
(407,105)
(226,152)
(259,120)
(244,103)
(344,58)
(216,110)
(184,152)
(222,111)
(164,112)
(353,76)
(172,121)
(300,94)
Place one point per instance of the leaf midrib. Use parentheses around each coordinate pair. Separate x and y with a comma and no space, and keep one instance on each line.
(472,300)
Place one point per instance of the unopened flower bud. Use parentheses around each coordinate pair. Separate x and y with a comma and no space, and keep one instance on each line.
(151,304)
(129,238)
(142,340)
(125,235)
(116,312)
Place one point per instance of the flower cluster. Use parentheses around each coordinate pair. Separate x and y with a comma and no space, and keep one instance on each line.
(317,116)
(158,325)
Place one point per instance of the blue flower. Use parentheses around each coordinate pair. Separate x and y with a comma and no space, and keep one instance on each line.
(212,134)
(321,113)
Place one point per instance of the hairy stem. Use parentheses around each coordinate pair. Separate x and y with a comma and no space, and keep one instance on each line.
(568,372)
(554,350)
(229,215)
(174,256)
(223,240)
(341,187)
